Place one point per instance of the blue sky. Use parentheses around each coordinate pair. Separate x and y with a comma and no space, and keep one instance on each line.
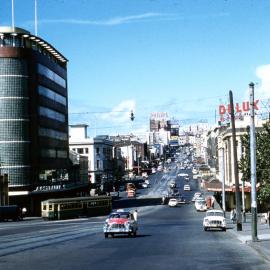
(175,56)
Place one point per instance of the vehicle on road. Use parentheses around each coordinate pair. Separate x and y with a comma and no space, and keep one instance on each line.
(131,190)
(13,212)
(200,205)
(196,195)
(65,208)
(214,219)
(187,187)
(173,202)
(120,222)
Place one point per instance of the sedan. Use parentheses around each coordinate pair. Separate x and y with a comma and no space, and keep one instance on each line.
(187,188)
(173,202)
(120,222)
(214,219)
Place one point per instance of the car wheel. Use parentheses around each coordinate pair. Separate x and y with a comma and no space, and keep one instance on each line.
(106,235)
(134,234)
(129,234)
(224,229)
(112,235)
(205,228)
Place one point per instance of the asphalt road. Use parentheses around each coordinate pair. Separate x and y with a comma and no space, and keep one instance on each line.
(168,238)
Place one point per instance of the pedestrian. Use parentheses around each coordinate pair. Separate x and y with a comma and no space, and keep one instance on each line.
(135,215)
(163,200)
(233,215)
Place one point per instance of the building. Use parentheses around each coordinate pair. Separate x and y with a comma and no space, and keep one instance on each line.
(33,112)
(99,151)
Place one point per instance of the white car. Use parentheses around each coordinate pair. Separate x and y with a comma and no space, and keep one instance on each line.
(200,205)
(187,188)
(214,219)
(172,202)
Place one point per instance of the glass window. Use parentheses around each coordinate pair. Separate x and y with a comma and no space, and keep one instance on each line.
(62,154)
(42,70)
(80,150)
(48,153)
(54,134)
(86,151)
(97,150)
(48,93)
(97,164)
(51,114)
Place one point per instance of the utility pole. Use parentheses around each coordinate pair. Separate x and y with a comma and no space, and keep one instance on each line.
(235,163)
(253,165)
(222,179)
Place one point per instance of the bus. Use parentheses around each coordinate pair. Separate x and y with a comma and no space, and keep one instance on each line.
(67,208)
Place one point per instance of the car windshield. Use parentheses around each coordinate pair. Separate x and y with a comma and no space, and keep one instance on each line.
(120,215)
(217,214)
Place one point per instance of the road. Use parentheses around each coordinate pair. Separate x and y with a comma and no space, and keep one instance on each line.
(168,238)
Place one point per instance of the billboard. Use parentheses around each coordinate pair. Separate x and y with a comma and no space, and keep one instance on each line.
(158,116)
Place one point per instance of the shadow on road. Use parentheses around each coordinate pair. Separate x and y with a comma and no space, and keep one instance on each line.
(129,203)
(126,236)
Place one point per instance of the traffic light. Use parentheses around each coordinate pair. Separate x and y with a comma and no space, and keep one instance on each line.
(132,117)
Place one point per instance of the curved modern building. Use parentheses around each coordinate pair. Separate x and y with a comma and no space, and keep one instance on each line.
(33,111)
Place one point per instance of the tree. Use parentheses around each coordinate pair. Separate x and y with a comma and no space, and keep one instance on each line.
(263,161)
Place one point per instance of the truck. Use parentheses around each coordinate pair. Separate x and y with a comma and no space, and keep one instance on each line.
(13,212)
(131,190)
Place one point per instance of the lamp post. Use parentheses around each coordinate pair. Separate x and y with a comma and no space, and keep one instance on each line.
(253,165)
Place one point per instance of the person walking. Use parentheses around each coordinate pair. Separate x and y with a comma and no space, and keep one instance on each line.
(233,215)
(135,215)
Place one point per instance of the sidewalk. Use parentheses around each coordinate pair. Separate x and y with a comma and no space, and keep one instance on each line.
(262,246)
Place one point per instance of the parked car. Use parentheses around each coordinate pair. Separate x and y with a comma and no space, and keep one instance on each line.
(187,187)
(214,219)
(120,222)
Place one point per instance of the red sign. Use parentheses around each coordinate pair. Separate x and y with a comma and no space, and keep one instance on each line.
(239,108)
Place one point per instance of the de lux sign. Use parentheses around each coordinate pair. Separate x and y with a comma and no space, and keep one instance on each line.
(239,108)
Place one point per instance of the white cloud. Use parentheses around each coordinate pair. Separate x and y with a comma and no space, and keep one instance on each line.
(144,17)
(263,73)
(111,21)
(121,112)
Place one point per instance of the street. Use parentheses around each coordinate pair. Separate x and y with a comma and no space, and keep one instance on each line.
(168,238)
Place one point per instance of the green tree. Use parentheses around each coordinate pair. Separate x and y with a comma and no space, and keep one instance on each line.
(262,162)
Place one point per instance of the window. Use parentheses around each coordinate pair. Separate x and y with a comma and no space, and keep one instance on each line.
(48,153)
(42,70)
(43,111)
(61,154)
(97,164)
(97,150)
(51,133)
(80,150)
(48,93)
(86,150)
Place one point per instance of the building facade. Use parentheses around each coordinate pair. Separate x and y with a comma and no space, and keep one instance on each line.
(33,111)
(99,151)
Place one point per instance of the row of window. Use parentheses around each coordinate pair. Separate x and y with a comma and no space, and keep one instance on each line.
(51,133)
(81,150)
(42,70)
(43,111)
(53,153)
(48,93)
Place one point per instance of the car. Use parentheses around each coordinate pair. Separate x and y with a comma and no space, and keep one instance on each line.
(196,195)
(120,222)
(200,205)
(173,202)
(187,188)
(214,219)
(144,185)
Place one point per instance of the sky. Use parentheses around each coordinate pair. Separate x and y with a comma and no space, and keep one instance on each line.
(176,56)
